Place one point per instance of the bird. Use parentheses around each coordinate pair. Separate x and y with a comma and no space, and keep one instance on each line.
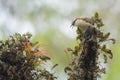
(85,26)
(83,23)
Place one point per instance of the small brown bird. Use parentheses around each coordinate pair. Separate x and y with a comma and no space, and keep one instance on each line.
(83,23)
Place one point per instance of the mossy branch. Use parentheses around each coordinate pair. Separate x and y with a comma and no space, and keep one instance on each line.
(84,65)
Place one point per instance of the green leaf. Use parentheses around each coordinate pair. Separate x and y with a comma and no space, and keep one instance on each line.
(96,15)
(67,69)
(44,58)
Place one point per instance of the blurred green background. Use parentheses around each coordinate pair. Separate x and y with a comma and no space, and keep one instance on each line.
(49,21)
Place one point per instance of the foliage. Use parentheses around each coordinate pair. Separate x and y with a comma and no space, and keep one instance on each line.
(85,63)
(21,59)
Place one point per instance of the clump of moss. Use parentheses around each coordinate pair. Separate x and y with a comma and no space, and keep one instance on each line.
(85,56)
(20,59)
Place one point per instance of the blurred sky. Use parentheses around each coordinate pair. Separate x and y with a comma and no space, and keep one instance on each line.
(41,16)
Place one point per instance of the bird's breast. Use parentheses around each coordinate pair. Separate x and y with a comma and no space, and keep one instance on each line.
(82,24)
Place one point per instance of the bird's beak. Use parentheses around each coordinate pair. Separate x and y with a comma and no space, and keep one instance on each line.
(73,23)
(71,26)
